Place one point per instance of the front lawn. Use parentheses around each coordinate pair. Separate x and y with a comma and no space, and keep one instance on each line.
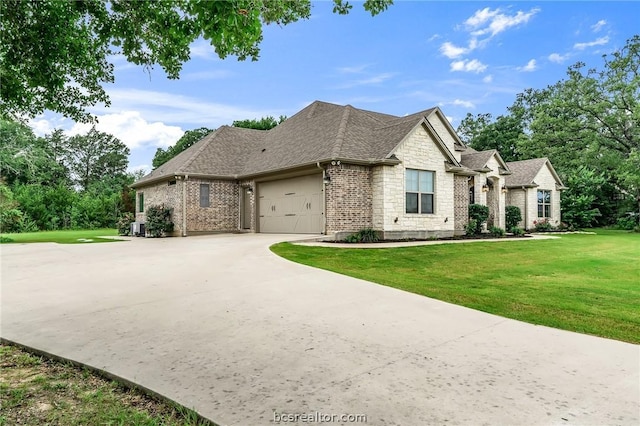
(579,282)
(62,237)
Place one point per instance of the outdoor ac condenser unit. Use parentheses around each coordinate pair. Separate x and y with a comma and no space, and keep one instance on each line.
(137,229)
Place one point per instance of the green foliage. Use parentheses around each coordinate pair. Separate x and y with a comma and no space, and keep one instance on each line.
(471,227)
(482,134)
(189,138)
(517,232)
(628,222)
(265,123)
(366,235)
(47,44)
(480,214)
(513,216)
(543,225)
(497,232)
(158,222)
(124,223)
(93,156)
(579,202)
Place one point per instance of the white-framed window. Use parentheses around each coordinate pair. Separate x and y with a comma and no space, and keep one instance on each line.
(544,203)
(204,195)
(419,191)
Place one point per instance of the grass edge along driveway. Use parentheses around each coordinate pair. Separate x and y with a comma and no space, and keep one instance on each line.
(580,282)
(81,236)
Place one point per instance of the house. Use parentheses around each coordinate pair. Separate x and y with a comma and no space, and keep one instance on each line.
(333,170)
(534,187)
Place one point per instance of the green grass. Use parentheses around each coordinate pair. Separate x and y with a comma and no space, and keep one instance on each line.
(584,283)
(37,391)
(61,237)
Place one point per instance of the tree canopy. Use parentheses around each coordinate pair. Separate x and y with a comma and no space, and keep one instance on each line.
(189,138)
(57,55)
(265,123)
(588,125)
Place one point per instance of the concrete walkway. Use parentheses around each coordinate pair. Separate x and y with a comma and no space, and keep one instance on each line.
(220,324)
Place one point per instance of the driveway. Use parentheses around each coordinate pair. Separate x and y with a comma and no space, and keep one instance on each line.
(220,324)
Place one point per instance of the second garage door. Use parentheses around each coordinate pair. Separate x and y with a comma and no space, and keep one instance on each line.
(291,206)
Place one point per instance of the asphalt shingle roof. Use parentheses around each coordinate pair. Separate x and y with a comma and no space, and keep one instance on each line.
(524,172)
(319,132)
(477,160)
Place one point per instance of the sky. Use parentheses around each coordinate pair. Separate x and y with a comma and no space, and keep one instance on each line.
(464,57)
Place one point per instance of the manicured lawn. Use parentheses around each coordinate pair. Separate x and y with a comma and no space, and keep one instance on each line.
(37,391)
(62,237)
(584,283)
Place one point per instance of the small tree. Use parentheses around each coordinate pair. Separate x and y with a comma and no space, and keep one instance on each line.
(512,216)
(159,222)
(480,214)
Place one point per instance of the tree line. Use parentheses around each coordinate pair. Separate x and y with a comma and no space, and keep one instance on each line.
(588,125)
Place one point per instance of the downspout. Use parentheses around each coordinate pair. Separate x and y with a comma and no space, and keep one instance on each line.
(324,199)
(184,205)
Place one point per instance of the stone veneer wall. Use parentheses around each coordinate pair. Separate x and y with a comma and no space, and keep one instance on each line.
(223,213)
(348,198)
(162,194)
(546,181)
(418,151)
(516,197)
(460,204)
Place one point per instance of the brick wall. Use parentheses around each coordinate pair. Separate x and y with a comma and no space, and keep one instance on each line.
(162,194)
(460,203)
(348,198)
(222,215)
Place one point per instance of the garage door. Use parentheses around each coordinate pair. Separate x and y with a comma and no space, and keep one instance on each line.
(291,206)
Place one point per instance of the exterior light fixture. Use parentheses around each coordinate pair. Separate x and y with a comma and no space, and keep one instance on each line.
(326,179)
(250,189)
(504,189)
(485,188)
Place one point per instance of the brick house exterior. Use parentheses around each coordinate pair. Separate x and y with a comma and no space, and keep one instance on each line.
(334,170)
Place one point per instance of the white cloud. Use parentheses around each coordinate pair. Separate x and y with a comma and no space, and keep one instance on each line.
(357,69)
(434,37)
(598,42)
(463,103)
(531,66)
(473,65)
(488,79)
(132,129)
(557,58)
(171,108)
(451,51)
(202,49)
(493,22)
(598,25)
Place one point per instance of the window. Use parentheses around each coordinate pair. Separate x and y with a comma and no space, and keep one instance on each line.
(544,203)
(204,195)
(141,202)
(419,191)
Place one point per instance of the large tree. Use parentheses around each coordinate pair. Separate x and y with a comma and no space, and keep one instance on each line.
(95,157)
(482,133)
(57,54)
(265,123)
(189,138)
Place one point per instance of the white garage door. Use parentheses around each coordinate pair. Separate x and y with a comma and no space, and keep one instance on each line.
(291,206)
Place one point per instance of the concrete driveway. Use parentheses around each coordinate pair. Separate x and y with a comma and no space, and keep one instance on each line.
(220,324)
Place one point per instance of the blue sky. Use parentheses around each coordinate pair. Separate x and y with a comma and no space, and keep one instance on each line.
(461,56)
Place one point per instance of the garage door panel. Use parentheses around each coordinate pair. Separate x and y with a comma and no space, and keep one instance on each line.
(291,205)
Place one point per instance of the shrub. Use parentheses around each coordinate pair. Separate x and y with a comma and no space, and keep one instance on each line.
(479,213)
(542,225)
(159,222)
(517,232)
(366,235)
(628,222)
(512,216)
(496,231)
(124,223)
(471,226)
